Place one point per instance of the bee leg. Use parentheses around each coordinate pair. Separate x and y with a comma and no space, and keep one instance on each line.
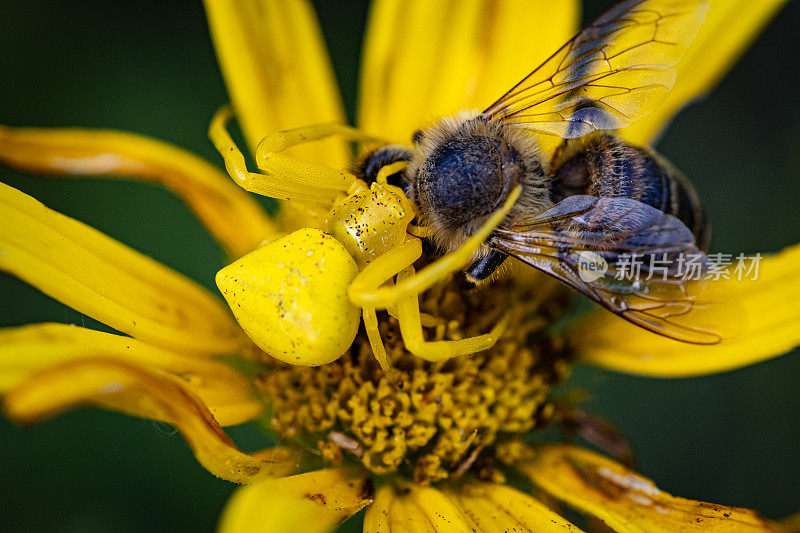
(485,267)
(599,432)
(370,294)
(285,177)
(408,315)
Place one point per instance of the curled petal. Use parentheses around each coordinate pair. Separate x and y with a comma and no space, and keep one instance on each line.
(277,70)
(730,27)
(626,501)
(230,214)
(492,507)
(771,305)
(412,508)
(423,60)
(121,386)
(313,502)
(108,281)
(28,349)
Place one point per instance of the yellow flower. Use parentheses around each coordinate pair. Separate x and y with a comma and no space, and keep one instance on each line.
(460,422)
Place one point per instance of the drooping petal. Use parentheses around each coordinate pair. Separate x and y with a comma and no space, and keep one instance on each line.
(230,214)
(414,508)
(28,349)
(730,27)
(108,281)
(121,386)
(423,60)
(496,508)
(313,502)
(277,70)
(626,501)
(771,305)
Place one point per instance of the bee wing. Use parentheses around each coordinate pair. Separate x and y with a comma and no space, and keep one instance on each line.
(651,272)
(612,73)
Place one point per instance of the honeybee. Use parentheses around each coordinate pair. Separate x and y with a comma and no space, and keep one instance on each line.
(597,196)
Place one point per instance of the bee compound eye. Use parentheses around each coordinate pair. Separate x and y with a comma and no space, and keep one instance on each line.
(290,297)
(417,137)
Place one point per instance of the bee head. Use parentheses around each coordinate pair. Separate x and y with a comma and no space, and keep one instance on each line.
(463,170)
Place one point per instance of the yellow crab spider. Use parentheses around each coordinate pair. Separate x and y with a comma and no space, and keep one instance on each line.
(299,297)
(284,177)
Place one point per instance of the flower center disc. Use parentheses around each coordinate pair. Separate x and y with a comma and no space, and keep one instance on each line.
(430,421)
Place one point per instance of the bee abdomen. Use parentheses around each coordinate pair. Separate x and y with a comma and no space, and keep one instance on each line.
(607,167)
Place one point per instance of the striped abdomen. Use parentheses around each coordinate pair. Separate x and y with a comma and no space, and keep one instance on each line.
(602,165)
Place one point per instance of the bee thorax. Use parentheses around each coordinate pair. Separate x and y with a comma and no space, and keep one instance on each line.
(467,176)
(463,170)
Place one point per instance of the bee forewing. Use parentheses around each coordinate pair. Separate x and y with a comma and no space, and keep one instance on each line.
(612,73)
(709,312)
(632,259)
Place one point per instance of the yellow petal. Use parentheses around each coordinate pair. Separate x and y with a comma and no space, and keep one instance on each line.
(25,350)
(424,60)
(230,214)
(277,70)
(123,387)
(312,502)
(771,305)
(625,501)
(730,27)
(498,508)
(413,508)
(108,281)
(790,524)
(376,519)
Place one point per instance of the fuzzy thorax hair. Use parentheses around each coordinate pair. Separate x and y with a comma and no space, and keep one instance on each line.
(463,169)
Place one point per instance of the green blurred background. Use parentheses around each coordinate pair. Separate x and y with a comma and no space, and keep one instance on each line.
(149,67)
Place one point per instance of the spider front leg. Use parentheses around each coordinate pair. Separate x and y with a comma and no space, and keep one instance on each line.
(380,270)
(285,177)
(366,290)
(305,173)
(408,315)
(398,262)
(375,274)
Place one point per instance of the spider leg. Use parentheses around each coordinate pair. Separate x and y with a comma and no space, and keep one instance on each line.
(366,290)
(408,315)
(285,177)
(375,341)
(375,274)
(380,270)
(388,170)
(305,174)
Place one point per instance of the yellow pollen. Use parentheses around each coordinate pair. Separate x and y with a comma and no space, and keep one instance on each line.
(427,421)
